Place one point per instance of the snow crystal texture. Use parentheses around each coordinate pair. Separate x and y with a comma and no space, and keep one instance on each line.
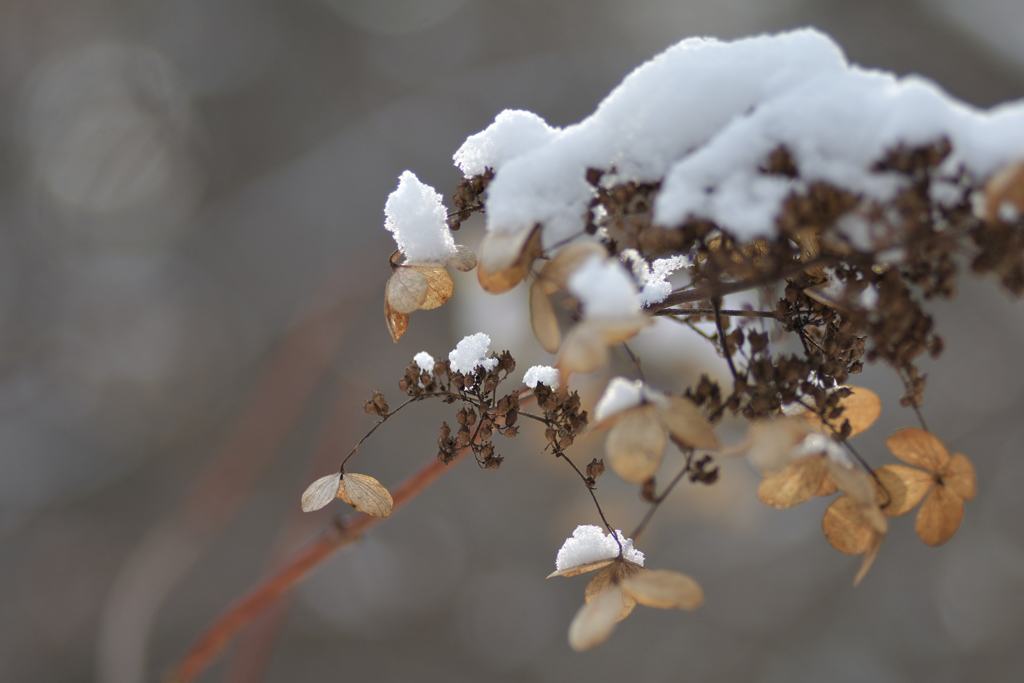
(544,374)
(472,353)
(416,216)
(590,543)
(604,288)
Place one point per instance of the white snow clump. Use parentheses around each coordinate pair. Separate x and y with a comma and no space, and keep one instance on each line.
(425,361)
(471,353)
(604,288)
(622,394)
(590,543)
(545,374)
(416,216)
(653,277)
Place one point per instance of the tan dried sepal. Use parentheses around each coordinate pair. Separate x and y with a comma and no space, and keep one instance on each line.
(845,527)
(664,589)
(505,258)
(555,273)
(365,494)
(683,420)
(581,568)
(398,323)
(407,289)
(610,577)
(939,517)
(595,620)
(636,444)
(862,408)
(959,477)
(440,286)
(854,482)
(543,319)
(874,545)
(827,488)
(918,447)
(769,443)
(464,259)
(906,487)
(584,350)
(794,485)
(321,492)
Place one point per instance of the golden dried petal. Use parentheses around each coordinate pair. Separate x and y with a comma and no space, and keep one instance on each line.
(406,289)
(609,578)
(543,319)
(440,286)
(939,517)
(321,492)
(854,482)
(959,477)
(1005,189)
(595,621)
(861,408)
(869,559)
(827,488)
(365,494)
(918,447)
(636,444)
(845,527)
(905,486)
(398,323)
(583,350)
(505,258)
(686,423)
(664,589)
(794,485)
(556,272)
(581,568)
(464,259)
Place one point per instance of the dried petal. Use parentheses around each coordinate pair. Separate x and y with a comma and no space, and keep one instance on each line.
(505,258)
(664,589)
(794,485)
(365,494)
(855,483)
(398,323)
(583,350)
(939,517)
(406,289)
(464,259)
(440,286)
(845,528)
(769,444)
(543,319)
(609,578)
(686,423)
(321,492)
(581,568)
(595,621)
(862,407)
(1005,189)
(918,447)
(869,559)
(905,486)
(959,477)
(827,488)
(556,272)
(636,444)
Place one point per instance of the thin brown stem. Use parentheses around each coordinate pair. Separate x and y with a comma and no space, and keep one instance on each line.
(658,500)
(691,312)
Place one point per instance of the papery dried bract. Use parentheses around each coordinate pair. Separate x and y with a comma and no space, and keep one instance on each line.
(850,528)
(505,258)
(595,620)
(636,444)
(918,447)
(684,421)
(797,483)
(769,444)
(905,486)
(365,494)
(440,286)
(663,589)
(543,319)
(586,346)
(398,323)
(464,259)
(406,289)
(861,408)
(608,578)
(321,492)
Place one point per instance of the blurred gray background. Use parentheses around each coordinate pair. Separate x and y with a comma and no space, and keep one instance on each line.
(192,264)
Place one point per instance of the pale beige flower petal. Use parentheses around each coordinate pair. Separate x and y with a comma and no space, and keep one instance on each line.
(664,589)
(464,259)
(636,444)
(959,477)
(440,286)
(683,419)
(852,481)
(398,323)
(555,272)
(406,289)
(505,258)
(595,621)
(581,568)
(939,517)
(827,488)
(608,578)
(770,443)
(321,492)
(845,528)
(365,494)
(543,319)
(584,350)
(794,485)
(905,486)
(621,328)
(918,447)
(874,545)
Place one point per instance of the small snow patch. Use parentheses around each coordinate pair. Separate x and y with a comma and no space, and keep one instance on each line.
(472,353)
(590,543)
(415,214)
(604,288)
(544,374)
(425,361)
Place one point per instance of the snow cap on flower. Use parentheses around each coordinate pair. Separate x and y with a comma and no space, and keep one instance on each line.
(590,547)
(604,289)
(543,374)
(415,215)
(653,277)
(424,361)
(619,395)
(472,353)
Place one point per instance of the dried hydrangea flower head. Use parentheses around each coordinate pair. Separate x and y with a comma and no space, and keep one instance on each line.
(621,583)
(362,492)
(640,420)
